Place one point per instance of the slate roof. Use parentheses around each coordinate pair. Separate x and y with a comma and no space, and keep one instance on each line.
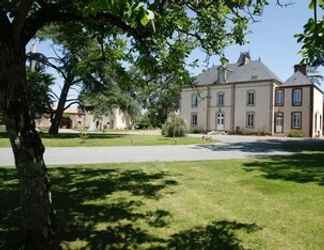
(298,78)
(252,71)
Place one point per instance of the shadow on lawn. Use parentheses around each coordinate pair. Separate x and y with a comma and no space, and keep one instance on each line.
(300,168)
(74,135)
(83,199)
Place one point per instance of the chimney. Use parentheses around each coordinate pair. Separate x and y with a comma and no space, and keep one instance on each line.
(301,68)
(244,59)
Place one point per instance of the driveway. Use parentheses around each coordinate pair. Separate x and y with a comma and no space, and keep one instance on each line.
(229,147)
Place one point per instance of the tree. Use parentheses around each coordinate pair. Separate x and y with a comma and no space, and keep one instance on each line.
(312,38)
(160,89)
(149,26)
(40,83)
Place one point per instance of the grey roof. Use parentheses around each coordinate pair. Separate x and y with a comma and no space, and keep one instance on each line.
(252,71)
(298,78)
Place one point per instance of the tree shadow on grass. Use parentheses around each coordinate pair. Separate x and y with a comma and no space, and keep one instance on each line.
(89,214)
(83,199)
(77,135)
(218,235)
(300,168)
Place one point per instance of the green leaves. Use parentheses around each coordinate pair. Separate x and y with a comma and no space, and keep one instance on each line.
(312,39)
(147,17)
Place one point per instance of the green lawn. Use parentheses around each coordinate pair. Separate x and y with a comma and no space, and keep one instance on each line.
(74,140)
(274,203)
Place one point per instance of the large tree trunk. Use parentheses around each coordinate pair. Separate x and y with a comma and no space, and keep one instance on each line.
(58,113)
(36,204)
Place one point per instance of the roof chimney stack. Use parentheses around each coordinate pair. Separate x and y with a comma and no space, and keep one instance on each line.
(244,59)
(301,68)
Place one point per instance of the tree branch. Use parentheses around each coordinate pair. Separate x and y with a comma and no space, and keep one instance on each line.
(70,104)
(55,13)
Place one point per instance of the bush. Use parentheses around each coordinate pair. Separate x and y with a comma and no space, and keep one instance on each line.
(296,133)
(143,122)
(174,127)
(197,131)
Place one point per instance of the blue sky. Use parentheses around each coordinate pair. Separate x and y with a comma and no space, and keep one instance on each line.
(272,39)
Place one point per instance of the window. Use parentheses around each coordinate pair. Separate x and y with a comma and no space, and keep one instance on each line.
(297,97)
(251,98)
(194,100)
(280,97)
(250,119)
(296,120)
(220,99)
(194,120)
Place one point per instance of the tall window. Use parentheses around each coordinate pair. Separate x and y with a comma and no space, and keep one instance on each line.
(220,99)
(280,97)
(251,98)
(194,100)
(250,119)
(194,120)
(297,97)
(296,120)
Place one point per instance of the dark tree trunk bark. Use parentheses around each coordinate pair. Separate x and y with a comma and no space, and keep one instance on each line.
(36,204)
(58,113)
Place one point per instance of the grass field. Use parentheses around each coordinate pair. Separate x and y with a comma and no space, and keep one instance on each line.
(75,140)
(273,203)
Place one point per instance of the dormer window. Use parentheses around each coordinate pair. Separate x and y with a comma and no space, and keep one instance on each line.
(221,74)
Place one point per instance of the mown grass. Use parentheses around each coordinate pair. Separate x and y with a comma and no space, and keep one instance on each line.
(272,203)
(89,140)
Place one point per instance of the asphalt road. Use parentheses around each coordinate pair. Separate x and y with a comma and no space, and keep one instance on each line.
(120,154)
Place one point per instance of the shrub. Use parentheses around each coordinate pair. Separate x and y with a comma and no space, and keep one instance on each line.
(143,122)
(296,133)
(174,127)
(197,131)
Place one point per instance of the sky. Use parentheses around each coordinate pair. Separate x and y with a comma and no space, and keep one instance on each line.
(271,39)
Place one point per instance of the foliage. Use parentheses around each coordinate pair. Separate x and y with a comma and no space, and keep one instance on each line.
(143,122)
(296,133)
(313,36)
(174,127)
(40,83)
(197,130)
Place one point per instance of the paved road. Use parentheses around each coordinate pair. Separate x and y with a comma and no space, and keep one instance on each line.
(54,156)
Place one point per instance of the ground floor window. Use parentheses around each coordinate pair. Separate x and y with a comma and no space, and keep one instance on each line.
(296,120)
(279,122)
(250,119)
(194,120)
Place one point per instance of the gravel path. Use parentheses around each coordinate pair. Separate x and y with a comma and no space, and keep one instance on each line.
(84,155)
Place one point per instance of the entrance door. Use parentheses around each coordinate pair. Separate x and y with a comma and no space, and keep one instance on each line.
(279,122)
(220,121)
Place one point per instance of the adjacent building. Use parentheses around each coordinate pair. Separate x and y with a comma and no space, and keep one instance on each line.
(247,97)
(76,118)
